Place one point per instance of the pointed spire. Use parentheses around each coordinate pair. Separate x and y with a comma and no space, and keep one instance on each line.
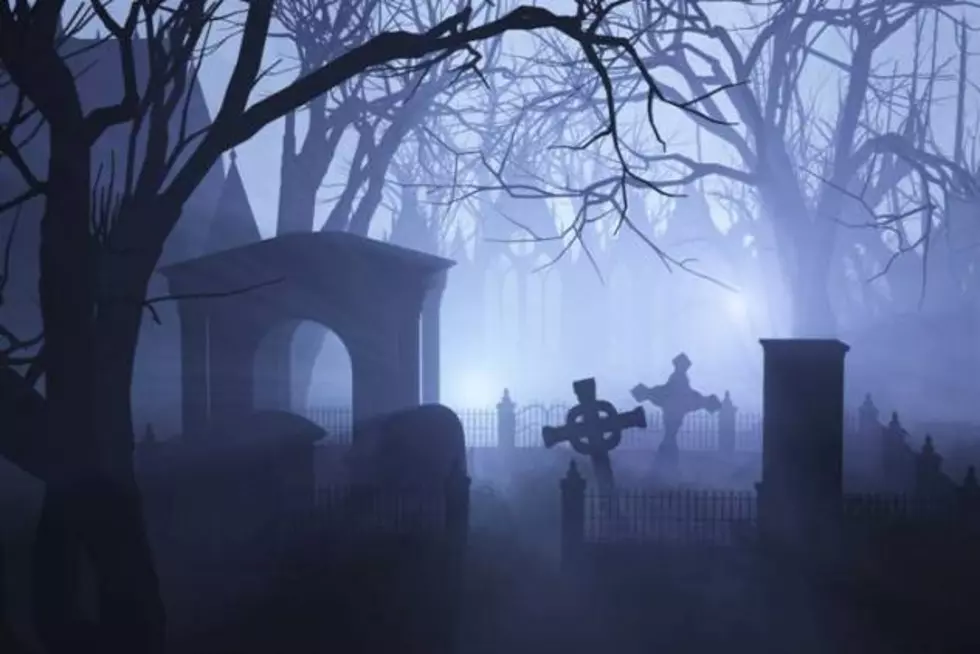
(233,224)
(410,229)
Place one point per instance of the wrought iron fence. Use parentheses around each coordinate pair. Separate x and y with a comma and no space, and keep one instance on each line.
(683,517)
(510,425)
(892,508)
(376,511)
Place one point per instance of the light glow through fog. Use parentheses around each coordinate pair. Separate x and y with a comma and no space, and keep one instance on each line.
(737,307)
(473,389)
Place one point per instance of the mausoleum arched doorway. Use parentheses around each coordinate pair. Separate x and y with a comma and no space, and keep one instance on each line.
(314,378)
(382,302)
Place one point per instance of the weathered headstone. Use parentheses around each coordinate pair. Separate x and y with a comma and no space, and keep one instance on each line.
(930,481)
(594,428)
(676,399)
(417,447)
(897,457)
(415,461)
(969,496)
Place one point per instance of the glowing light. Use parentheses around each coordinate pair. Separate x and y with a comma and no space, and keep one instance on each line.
(475,390)
(737,307)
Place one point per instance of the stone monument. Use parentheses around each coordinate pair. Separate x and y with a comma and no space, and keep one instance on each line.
(801,492)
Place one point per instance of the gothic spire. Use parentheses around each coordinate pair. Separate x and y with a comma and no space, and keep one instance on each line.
(410,227)
(234,223)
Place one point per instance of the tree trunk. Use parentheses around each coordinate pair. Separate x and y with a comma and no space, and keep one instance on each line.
(92,502)
(804,249)
(96,507)
(297,196)
(67,306)
(813,314)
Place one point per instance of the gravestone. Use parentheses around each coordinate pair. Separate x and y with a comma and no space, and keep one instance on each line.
(417,447)
(931,483)
(897,468)
(417,459)
(676,399)
(407,474)
(800,496)
(594,428)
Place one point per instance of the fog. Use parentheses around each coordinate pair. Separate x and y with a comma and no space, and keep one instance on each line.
(346,451)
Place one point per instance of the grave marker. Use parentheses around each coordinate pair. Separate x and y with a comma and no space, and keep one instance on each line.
(594,428)
(676,399)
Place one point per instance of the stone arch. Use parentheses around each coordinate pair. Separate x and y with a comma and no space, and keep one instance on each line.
(381,300)
(288,382)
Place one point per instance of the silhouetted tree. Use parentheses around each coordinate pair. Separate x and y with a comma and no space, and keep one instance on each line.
(319,30)
(812,165)
(96,258)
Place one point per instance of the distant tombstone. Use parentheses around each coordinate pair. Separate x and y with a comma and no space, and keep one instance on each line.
(676,399)
(929,478)
(969,493)
(897,458)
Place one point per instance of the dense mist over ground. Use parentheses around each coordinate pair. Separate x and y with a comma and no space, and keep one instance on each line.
(442,327)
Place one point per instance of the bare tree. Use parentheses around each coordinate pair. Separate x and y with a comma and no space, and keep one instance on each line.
(319,30)
(810,168)
(378,111)
(95,266)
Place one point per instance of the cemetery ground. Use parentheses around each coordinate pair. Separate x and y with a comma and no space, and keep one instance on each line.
(920,596)
(516,598)
(890,588)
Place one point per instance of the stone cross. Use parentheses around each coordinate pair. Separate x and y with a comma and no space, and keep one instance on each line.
(594,428)
(676,399)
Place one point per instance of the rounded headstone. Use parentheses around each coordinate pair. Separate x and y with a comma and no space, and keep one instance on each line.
(421,446)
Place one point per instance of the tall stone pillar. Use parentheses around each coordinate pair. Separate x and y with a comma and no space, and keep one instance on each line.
(231,361)
(410,360)
(273,359)
(800,495)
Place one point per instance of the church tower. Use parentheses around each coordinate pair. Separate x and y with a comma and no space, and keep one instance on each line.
(411,228)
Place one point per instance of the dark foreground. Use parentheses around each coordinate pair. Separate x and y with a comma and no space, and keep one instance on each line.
(515,599)
(913,595)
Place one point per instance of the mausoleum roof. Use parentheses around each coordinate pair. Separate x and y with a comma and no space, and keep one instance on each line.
(340,256)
